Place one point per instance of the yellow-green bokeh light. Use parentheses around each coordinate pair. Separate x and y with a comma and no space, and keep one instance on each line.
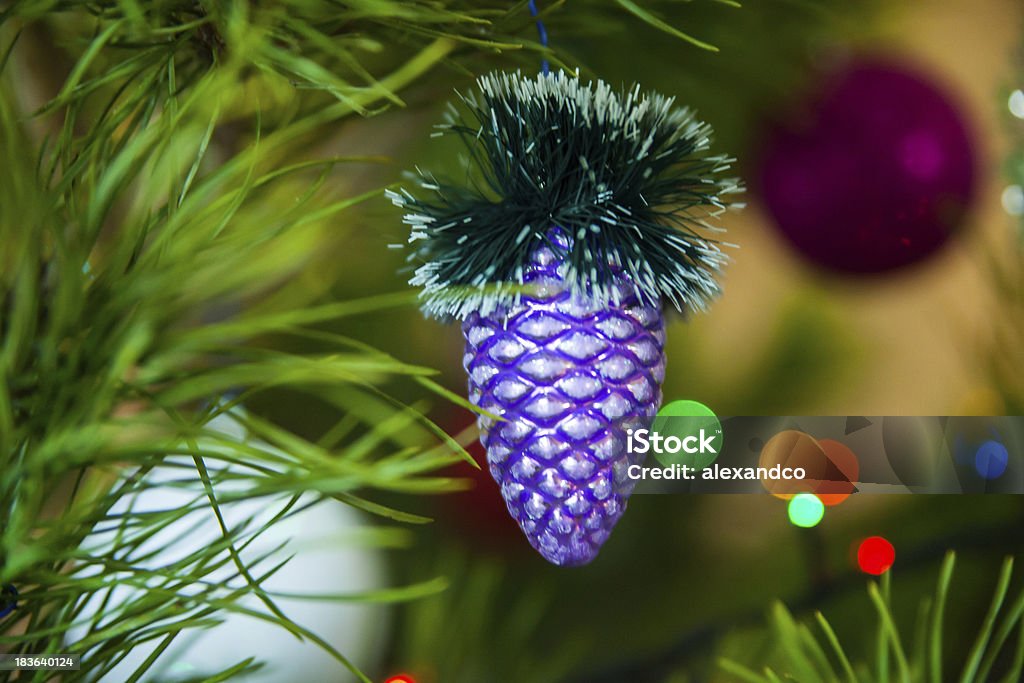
(806,510)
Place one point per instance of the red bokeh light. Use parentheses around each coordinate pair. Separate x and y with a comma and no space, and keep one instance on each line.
(875,555)
(401,678)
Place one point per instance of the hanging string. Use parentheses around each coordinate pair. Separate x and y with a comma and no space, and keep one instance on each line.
(542,33)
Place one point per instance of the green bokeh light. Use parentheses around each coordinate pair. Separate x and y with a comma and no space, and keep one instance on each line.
(686,418)
(806,510)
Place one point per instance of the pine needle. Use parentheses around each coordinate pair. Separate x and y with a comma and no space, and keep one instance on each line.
(985,632)
(941,593)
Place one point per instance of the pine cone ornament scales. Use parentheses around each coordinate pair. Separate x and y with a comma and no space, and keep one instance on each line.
(582,212)
(567,375)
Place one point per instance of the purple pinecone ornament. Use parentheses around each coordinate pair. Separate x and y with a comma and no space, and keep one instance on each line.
(568,375)
(581,212)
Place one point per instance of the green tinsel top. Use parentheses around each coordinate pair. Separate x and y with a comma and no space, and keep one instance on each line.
(627,175)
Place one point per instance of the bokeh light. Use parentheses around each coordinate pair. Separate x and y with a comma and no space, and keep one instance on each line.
(875,555)
(792,448)
(1016,103)
(1012,200)
(683,419)
(843,469)
(806,510)
(400,678)
(991,459)
(830,467)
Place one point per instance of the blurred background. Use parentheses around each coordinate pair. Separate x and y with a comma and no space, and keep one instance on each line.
(878,271)
(685,580)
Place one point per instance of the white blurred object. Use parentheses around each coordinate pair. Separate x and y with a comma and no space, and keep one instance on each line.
(1013,200)
(326,559)
(1016,103)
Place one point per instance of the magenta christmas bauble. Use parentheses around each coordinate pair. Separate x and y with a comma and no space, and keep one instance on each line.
(874,174)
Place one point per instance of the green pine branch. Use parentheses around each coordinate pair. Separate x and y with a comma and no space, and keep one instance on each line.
(810,651)
(163,186)
(139,239)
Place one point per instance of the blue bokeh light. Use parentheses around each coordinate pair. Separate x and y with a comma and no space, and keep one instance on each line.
(991,459)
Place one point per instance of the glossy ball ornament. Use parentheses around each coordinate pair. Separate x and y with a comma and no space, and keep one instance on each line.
(875,175)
